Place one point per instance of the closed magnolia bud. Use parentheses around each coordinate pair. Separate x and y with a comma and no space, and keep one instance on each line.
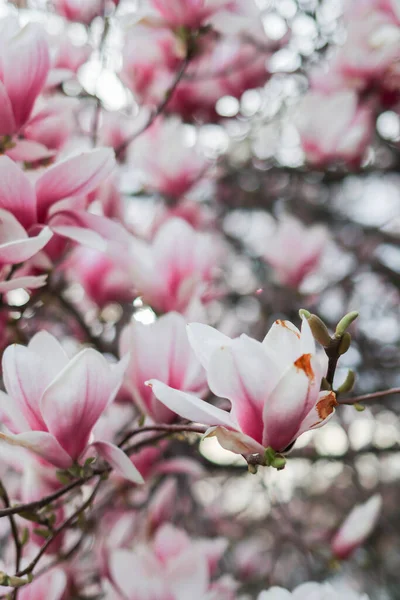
(344,323)
(348,384)
(319,330)
(344,344)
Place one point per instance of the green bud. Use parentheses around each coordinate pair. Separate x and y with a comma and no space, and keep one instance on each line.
(348,384)
(63,477)
(319,330)
(44,533)
(279,462)
(269,456)
(252,469)
(25,536)
(359,407)
(304,313)
(344,323)
(325,385)
(344,343)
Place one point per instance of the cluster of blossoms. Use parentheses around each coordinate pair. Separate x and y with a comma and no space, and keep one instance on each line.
(109,358)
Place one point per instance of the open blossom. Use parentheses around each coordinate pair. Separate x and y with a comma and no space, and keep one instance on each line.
(311,591)
(176,267)
(34,205)
(173,567)
(25,63)
(294,251)
(53,403)
(168,165)
(334,127)
(160,350)
(83,12)
(192,13)
(357,527)
(273,387)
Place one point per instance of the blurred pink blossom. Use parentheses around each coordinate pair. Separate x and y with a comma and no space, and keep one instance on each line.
(160,350)
(294,251)
(357,527)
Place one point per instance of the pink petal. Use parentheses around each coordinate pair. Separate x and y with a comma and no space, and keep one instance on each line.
(283,342)
(25,68)
(74,176)
(43,444)
(188,575)
(138,575)
(11,414)
(51,585)
(205,340)
(22,247)
(50,351)
(74,401)
(189,407)
(236,441)
(85,237)
(284,409)
(119,461)
(29,282)
(16,193)
(7,121)
(29,151)
(26,376)
(357,527)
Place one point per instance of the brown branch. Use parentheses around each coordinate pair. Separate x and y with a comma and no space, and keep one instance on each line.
(15,535)
(162,106)
(166,428)
(58,530)
(372,396)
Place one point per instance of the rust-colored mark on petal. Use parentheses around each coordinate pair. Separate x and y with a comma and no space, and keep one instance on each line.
(304,364)
(283,324)
(326,405)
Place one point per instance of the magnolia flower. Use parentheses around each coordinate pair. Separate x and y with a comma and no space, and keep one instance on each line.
(160,350)
(334,127)
(192,14)
(273,387)
(175,167)
(52,586)
(357,527)
(25,63)
(34,206)
(83,12)
(173,567)
(176,267)
(294,251)
(311,591)
(53,403)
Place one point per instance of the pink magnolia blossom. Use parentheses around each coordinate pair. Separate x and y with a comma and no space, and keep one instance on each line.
(35,206)
(273,386)
(176,267)
(173,567)
(83,12)
(24,65)
(312,591)
(52,586)
(357,527)
(53,403)
(294,251)
(103,278)
(175,167)
(160,350)
(189,13)
(334,127)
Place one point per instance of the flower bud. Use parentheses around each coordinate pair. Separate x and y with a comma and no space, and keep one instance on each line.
(345,323)
(319,330)
(344,344)
(359,407)
(348,384)
(304,313)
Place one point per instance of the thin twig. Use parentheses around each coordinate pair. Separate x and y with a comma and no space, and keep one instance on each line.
(15,535)
(161,107)
(58,530)
(372,396)
(165,428)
